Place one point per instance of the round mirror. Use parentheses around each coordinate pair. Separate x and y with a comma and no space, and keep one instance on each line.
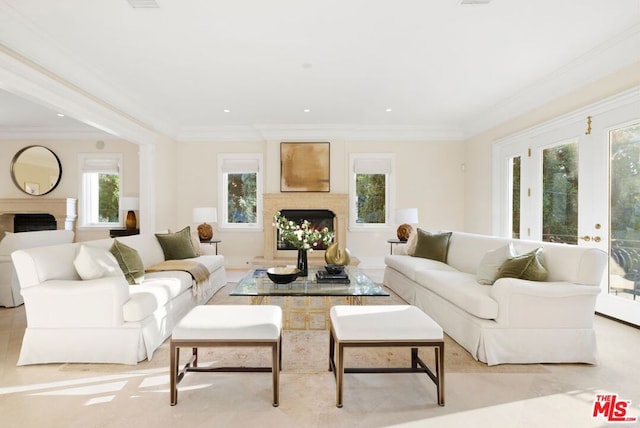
(36,170)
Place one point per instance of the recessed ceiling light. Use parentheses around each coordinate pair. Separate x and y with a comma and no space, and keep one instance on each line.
(60,115)
(306,110)
(143,4)
(389,109)
(226,110)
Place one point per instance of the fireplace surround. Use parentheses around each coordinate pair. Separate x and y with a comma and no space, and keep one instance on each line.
(337,203)
(63,210)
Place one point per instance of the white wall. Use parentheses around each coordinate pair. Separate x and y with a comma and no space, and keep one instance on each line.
(429,176)
(478,150)
(67,152)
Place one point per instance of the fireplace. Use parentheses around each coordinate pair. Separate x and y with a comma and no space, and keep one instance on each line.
(319,219)
(63,211)
(31,222)
(336,203)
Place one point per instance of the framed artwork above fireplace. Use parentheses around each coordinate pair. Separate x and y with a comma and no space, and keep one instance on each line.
(304,167)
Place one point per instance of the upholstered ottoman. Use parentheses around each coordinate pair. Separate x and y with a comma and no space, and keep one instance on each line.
(230,326)
(389,326)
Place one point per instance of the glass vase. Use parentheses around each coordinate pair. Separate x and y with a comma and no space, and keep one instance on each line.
(302,265)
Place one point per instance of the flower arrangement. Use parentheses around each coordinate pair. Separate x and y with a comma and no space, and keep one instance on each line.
(302,236)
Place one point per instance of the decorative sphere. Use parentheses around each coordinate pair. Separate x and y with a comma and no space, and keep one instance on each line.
(404,230)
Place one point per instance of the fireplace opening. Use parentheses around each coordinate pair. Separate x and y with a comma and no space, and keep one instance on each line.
(319,219)
(32,222)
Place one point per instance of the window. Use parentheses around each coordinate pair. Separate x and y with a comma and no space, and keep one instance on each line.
(241,191)
(99,201)
(370,190)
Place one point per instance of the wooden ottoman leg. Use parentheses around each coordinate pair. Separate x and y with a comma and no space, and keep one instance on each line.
(440,373)
(275,369)
(174,360)
(339,373)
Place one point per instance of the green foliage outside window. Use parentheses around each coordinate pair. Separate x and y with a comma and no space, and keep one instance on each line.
(242,198)
(560,194)
(625,186)
(371,198)
(515,196)
(108,198)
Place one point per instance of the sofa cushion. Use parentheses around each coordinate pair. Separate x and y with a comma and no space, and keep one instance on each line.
(408,266)
(93,262)
(491,262)
(39,238)
(432,246)
(528,266)
(461,289)
(171,284)
(129,261)
(177,246)
(139,306)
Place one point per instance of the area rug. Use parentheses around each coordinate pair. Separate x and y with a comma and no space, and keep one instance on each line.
(307,351)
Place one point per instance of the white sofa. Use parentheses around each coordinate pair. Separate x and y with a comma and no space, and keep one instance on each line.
(9,286)
(513,320)
(104,320)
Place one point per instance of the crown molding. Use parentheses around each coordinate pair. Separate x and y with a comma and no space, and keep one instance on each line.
(261,133)
(52,134)
(611,56)
(21,77)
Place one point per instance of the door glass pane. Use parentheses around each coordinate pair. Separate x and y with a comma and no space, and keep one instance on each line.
(515,197)
(624,269)
(560,194)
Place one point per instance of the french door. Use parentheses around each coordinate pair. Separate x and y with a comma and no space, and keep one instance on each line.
(577,181)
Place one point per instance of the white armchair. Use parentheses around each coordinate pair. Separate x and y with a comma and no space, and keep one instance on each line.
(9,286)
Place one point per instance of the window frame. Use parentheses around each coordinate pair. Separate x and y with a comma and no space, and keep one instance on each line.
(85,199)
(379,163)
(238,159)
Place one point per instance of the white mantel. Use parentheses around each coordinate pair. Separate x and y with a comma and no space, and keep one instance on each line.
(64,210)
(338,203)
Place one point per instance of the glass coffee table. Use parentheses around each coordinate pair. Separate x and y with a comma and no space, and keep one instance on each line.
(305,302)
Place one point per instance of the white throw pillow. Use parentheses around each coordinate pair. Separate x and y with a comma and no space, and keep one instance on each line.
(412,241)
(94,262)
(491,262)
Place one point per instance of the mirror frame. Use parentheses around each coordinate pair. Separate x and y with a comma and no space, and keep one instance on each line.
(13,172)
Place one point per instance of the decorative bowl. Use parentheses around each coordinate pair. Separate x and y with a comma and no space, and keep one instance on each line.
(282,275)
(334,269)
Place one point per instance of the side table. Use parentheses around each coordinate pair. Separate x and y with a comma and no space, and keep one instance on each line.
(115,233)
(212,242)
(394,241)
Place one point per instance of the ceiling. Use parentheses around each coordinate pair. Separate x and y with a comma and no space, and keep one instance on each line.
(210,69)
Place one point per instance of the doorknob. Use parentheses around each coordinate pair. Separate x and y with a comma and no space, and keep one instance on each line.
(586,238)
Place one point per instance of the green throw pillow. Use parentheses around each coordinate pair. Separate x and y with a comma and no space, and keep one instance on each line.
(129,261)
(177,246)
(528,266)
(432,246)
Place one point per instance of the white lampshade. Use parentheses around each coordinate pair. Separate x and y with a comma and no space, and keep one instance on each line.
(205,215)
(129,203)
(407,216)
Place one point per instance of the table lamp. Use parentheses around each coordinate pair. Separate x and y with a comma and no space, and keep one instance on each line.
(130,204)
(204,215)
(406,217)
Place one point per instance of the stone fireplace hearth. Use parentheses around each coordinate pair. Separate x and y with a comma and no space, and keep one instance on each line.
(337,203)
